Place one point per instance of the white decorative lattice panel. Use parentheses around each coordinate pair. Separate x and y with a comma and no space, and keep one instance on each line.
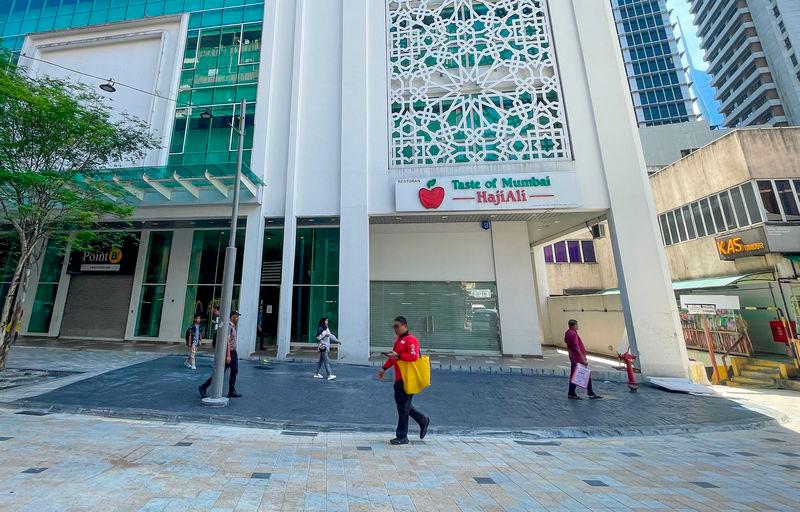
(473,81)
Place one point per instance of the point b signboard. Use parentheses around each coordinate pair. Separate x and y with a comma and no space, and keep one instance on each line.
(488,192)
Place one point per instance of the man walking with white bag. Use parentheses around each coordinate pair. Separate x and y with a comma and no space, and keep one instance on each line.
(577,356)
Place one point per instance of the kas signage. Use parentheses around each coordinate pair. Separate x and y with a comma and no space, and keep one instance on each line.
(752,242)
(490,192)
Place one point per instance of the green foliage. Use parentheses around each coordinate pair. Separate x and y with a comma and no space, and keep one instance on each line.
(56,136)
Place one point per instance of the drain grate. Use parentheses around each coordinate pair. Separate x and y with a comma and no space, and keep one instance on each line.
(484,480)
(261,476)
(299,434)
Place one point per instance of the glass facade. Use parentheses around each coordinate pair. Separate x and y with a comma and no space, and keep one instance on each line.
(443,315)
(154,284)
(206,267)
(49,277)
(316,282)
(220,63)
(9,257)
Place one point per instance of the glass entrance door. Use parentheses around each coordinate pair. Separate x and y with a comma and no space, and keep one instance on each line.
(445,316)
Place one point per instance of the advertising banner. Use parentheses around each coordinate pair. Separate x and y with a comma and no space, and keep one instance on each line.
(115,256)
(488,192)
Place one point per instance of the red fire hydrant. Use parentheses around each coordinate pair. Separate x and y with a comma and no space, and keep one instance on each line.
(628,359)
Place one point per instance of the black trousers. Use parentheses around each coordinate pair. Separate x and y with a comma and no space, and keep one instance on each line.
(404,410)
(572,386)
(234,371)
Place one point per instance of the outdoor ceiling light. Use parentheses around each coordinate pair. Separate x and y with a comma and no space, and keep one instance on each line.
(108,86)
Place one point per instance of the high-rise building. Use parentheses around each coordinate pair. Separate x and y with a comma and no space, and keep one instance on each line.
(659,86)
(751,48)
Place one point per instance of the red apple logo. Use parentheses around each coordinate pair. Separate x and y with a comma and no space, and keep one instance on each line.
(431,197)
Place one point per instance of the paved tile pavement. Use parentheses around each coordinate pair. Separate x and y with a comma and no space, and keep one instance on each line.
(60,462)
(284,395)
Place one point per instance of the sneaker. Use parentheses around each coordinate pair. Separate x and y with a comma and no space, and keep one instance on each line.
(186,364)
(194,367)
(234,394)
(423,430)
(574,397)
(202,391)
(317,376)
(595,397)
(331,377)
(396,441)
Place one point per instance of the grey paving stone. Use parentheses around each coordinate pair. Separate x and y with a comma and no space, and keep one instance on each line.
(261,476)
(596,483)
(484,480)
(705,485)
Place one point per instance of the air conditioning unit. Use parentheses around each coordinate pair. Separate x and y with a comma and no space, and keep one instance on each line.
(598,231)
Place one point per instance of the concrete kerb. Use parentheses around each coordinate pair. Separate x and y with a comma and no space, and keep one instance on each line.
(533,433)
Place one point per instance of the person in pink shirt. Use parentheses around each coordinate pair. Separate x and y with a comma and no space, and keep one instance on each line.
(577,355)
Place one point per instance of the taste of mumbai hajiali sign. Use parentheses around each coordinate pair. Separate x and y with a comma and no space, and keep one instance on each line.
(490,192)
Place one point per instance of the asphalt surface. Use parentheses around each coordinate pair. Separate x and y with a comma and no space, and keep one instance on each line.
(285,395)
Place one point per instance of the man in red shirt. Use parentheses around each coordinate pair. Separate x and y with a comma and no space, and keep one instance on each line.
(577,355)
(406,348)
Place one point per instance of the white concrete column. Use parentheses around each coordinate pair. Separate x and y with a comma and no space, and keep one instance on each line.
(290,198)
(250,288)
(651,314)
(519,318)
(354,230)
(172,327)
(136,290)
(61,295)
(542,293)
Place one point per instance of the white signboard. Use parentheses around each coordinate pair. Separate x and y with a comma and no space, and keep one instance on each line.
(718,301)
(488,192)
(702,309)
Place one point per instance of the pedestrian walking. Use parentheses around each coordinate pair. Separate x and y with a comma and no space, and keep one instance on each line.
(406,348)
(194,335)
(260,332)
(324,339)
(231,360)
(577,355)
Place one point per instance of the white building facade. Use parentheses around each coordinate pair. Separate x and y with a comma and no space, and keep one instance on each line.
(404,156)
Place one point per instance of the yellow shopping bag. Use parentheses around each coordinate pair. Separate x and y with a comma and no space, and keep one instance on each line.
(416,374)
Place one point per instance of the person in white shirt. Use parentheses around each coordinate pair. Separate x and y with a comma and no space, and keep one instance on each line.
(324,339)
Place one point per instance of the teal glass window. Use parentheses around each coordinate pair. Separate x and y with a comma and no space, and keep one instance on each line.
(154,284)
(49,277)
(9,257)
(206,268)
(316,281)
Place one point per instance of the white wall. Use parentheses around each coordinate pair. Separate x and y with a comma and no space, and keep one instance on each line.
(145,54)
(431,252)
(516,290)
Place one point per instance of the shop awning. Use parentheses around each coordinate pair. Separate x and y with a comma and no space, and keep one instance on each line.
(175,183)
(709,282)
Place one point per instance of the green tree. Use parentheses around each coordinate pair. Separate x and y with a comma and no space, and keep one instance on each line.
(56,137)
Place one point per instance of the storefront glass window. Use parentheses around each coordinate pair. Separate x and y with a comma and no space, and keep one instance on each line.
(788,200)
(45,298)
(769,200)
(716,210)
(9,257)
(738,207)
(752,203)
(560,249)
(588,251)
(443,315)
(206,266)
(154,284)
(698,220)
(548,254)
(705,207)
(687,218)
(574,250)
(727,210)
(316,281)
(665,230)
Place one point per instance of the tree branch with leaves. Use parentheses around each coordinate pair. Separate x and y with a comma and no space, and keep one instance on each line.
(57,137)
